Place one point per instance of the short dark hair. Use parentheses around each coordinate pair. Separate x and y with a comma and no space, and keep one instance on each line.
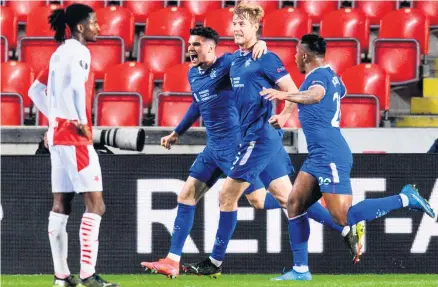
(315,43)
(206,32)
(59,19)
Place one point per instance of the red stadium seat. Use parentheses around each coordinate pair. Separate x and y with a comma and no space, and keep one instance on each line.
(163,46)
(368,79)
(342,54)
(38,45)
(406,24)
(346,23)
(200,8)
(9,24)
(268,6)
(118,22)
(176,79)
(293,121)
(131,77)
(11,109)
(4,54)
(17,78)
(23,8)
(375,10)
(216,19)
(118,109)
(359,112)
(430,8)
(171,110)
(106,52)
(287,22)
(142,9)
(317,9)
(95,4)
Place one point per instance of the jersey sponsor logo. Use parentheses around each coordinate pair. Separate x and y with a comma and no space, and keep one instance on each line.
(235,82)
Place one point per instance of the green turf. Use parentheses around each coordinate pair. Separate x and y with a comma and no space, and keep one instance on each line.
(389,280)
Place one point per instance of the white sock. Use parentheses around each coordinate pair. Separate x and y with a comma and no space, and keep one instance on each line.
(405,199)
(345,231)
(216,263)
(301,268)
(89,237)
(174,257)
(59,243)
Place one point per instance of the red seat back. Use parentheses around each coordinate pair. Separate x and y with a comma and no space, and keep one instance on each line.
(293,121)
(9,24)
(368,79)
(221,21)
(285,50)
(37,52)
(117,21)
(317,9)
(407,24)
(94,4)
(400,59)
(227,46)
(17,78)
(142,9)
(358,113)
(430,8)
(176,79)
(287,22)
(375,10)
(296,76)
(4,54)
(11,110)
(106,52)
(118,110)
(130,77)
(201,8)
(172,21)
(171,110)
(346,23)
(38,23)
(23,8)
(268,6)
(342,54)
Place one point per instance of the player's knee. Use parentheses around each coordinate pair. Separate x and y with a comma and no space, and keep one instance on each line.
(295,206)
(61,207)
(257,203)
(227,202)
(187,196)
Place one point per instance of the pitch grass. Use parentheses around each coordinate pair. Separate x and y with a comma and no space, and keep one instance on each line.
(136,280)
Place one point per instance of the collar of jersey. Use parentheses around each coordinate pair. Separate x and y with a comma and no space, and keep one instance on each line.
(243,54)
(321,67)
(203,71)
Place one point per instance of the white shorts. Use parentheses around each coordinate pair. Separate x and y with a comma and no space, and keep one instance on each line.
(75,169)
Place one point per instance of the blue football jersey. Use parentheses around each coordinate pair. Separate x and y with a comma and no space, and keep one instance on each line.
(320,122)
(211,90)
(248,78)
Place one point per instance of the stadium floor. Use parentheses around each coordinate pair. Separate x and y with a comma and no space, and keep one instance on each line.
(387,280)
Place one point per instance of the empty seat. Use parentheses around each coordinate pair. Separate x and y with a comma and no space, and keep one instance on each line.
(222,22)
(118,22)
(375,10)
(11,109)
(368,79)
(346,23)
(17,78)
(163,46)
(287,22)
(317,9)
(23,8)
(95,4)
(142,9)
(114,109)
(342,54)
(4,56)
(268,6)
(9,24)
(430,8)
(361,112)
(131,77)
(171,110)
(293,121)
(176,79)
(38,45)
(106,52)
(200,8)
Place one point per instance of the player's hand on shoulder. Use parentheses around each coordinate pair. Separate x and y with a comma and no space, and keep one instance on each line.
(169,140)
(271,94)
(278,121)
(260,48)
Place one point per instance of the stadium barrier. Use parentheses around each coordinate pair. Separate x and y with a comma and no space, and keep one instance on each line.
(140,193)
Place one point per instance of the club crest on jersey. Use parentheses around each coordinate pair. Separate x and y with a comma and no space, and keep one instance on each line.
(213,73)
(83,64)
(247,63)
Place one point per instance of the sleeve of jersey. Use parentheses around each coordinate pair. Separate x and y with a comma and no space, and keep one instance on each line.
(190,117)
(273,67)
(80,68)
(37,92)
(227,60)
(316,79)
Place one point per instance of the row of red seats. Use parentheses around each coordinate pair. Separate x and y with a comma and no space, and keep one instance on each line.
(128,86)
(403,37)
(374,10)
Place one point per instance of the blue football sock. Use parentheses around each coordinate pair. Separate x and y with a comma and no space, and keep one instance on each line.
(227,224)
(370,209)
(181,228)
(299,231)
(320,214)
(271,202)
